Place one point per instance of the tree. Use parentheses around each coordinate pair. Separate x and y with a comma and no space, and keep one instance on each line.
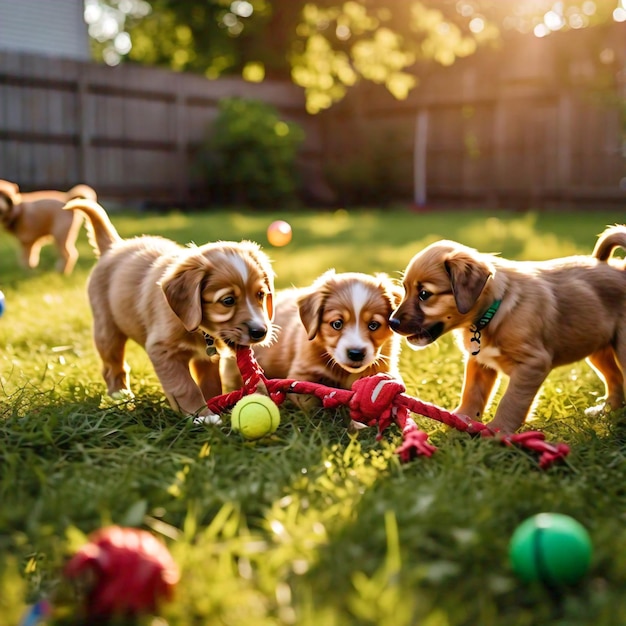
(325,46)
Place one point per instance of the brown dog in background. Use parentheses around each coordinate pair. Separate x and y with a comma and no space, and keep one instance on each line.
(519,318)
(186,306)
(335,331)
(36,217)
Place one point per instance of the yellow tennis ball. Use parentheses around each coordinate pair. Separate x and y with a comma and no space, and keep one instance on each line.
(255,416)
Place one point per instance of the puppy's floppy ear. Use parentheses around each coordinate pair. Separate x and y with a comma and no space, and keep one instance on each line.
(393,292)
(269,305)
(468,277)
(397,295)
(265,265)
(268,279)
(182,287)
(311,305)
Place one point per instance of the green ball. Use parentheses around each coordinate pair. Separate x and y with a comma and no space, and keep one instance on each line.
(255,416)
(551,548)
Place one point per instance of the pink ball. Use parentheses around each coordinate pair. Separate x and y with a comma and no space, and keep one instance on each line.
(279,233)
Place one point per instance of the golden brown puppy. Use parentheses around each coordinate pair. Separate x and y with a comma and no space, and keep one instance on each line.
(185,306)
(519,318)
(37,217)
(335,331)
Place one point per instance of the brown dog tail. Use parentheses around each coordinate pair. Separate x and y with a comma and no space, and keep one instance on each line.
(613,237)
(102,234)
(81,191)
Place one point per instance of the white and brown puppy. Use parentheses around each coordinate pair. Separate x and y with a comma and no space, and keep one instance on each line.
(185,306)
(38,217)
(335,331)
(519,318)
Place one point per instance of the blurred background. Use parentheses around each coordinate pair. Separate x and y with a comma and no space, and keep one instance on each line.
(266,103)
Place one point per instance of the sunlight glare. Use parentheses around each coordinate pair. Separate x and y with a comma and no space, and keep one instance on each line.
(343,32)
(111,56)
(477,25)
(122,43)
(464,8)
(254,72)
(104,29)
(576,21)
(242,8)
(553,20)
(589,7)
(229,20)
(93,12)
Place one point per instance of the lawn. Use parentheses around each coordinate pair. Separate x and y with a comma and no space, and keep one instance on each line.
(314,527)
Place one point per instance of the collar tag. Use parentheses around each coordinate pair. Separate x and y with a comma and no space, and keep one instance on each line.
(211,350)
(481,323)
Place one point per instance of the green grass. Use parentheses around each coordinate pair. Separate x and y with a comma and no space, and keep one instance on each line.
(314,527)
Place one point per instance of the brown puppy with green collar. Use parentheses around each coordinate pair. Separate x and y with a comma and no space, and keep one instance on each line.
(522,319)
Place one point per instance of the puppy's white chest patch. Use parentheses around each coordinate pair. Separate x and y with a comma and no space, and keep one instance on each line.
(489,356)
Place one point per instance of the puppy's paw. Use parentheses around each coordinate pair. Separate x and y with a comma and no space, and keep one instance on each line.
(472,427)
(598,410)
(354,427)
(307,404)
(207,418)
(122,395)
(466,419)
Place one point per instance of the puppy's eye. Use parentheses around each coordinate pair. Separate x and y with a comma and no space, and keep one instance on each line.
(260,296)
(337,324)
(373,326)
(423,295)
(228,301)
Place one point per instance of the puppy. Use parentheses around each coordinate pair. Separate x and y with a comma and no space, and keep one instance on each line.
(519,318)
(335,331)
(35,218)
(185,306)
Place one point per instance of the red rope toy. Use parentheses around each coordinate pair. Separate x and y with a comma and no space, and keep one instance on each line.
(378,401)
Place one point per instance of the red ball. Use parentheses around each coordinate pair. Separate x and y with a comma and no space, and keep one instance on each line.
(128,571)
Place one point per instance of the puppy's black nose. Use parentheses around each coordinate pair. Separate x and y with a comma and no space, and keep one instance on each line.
(257,333)
(356,355)
(394,323)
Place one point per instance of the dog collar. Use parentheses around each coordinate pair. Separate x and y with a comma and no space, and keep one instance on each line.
(211,350)
(481,323)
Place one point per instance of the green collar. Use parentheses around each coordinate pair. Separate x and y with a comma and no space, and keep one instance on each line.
(481,323)
(487,315)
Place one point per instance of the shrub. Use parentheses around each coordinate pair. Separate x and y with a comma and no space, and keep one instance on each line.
(250,154)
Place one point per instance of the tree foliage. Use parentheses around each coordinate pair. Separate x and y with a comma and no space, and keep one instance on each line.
(327,46)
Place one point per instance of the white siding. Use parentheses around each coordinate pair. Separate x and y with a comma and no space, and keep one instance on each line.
(49,27)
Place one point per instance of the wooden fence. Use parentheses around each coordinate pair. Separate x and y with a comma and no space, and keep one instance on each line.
(538,121)
(131,132)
